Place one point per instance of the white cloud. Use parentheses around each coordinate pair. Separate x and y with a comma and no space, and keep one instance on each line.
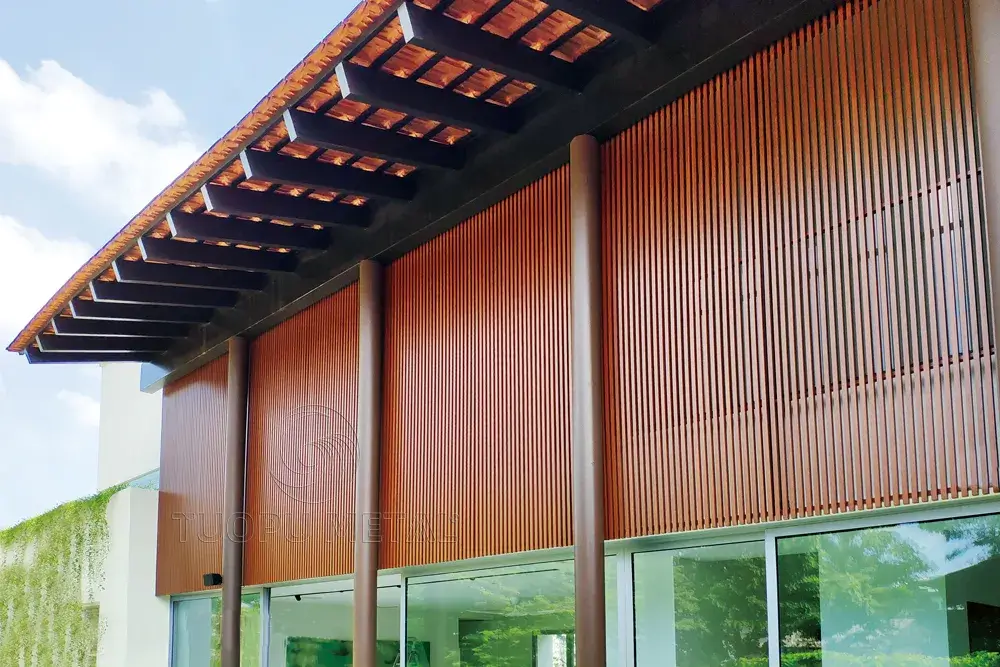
(85,409)
(32,268)
(115,152)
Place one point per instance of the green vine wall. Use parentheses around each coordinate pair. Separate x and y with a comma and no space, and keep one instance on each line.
(51,571)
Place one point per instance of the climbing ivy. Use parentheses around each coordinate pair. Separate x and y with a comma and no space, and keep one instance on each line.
(51,570)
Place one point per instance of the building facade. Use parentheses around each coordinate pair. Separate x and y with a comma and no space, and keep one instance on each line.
(715,387)
(77,583)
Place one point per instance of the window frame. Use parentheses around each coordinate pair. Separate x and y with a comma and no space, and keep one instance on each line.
(620,553)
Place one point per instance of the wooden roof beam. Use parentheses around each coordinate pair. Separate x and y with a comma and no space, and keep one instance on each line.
(69,326)
(53,343)
(417,99)
(84,309)
(253,204)
(106,291)
(287,170)
(176,275)
(219,257)
(622,19)
(338,135)
(211,228)
(36,356)
(438,32)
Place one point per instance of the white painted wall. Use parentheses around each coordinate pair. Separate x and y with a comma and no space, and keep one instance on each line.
(136,624)
(129,439)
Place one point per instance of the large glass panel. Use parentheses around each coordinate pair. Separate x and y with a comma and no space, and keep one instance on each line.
(510,617)
(197,641)
(701,607)
(913,595)
(316,630)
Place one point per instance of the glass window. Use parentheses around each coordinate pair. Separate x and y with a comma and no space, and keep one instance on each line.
(509,617)
(702,606)
(920,595)
(197,640)
(317,630)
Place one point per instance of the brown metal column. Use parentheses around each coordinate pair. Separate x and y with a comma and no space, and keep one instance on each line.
(984,17)
(369,428)
(587,411)
(233,501)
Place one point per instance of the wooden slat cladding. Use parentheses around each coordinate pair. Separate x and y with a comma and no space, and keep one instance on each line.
(797,301)
(302,444)
(476,457)
(192,470)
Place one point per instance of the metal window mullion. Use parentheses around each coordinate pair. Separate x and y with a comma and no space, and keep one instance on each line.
(402,616)
(265,627)
(773,631)
(626,610)
(170,633)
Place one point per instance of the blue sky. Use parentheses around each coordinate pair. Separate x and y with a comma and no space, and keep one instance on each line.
(101,104)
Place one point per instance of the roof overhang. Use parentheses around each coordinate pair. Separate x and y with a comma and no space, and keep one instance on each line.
(407,120)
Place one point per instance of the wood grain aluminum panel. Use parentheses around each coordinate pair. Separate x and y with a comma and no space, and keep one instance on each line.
(476,453)
(302,444)
(796,293)
(192,466)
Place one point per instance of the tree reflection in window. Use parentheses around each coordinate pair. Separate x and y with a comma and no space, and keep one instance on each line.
(702,606)
(896,596)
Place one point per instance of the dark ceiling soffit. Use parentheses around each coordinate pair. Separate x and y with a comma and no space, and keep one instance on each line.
(203,227)
(702,42)
(333,134)
(287,170)
(150,273)
(437,32)
(379,89)
(253,204)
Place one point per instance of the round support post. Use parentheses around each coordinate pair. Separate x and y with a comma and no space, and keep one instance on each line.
(369,429)
(234,527)
(984,21)
(587,407)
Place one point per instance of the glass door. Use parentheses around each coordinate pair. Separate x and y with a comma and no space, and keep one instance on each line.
(701,606)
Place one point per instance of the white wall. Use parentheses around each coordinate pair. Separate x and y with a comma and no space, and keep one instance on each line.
(136,624)
(129,441)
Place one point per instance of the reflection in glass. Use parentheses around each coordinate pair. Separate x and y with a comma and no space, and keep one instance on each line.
(510,617)
(197,638)
(913,595)
(316,630)
(703,606)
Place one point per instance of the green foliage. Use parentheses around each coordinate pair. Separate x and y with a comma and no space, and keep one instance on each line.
(48,566)
(507,641)
(721,610)
(250,629)
(816,659)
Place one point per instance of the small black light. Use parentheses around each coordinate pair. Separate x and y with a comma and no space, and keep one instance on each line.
(298,598)
(212,579)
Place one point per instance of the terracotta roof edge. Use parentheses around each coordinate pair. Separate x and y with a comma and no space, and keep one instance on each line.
(290,89)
